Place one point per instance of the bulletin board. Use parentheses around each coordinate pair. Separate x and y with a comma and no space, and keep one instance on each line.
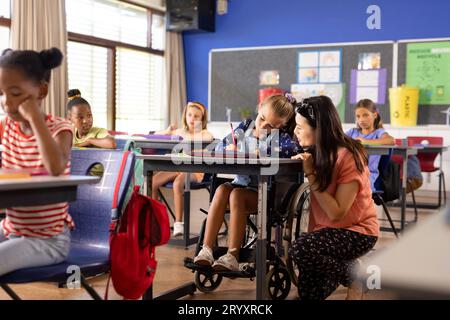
(234,75)
(425,64)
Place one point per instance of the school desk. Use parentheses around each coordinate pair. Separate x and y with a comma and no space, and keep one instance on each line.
(175,145)
(288,170)
(417,265)
(163,146)
(404,152)
(41,190)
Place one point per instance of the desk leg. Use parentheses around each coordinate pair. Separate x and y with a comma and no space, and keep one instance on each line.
(261,243)
(187,209)
(404,182)
(148,184)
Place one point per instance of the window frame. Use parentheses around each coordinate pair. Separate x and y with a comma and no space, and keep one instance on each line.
(5,22)
(112,46)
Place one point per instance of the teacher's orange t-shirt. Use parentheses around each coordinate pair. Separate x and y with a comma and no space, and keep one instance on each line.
(362,215)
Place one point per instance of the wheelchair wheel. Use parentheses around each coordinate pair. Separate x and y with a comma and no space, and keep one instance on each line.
(207,281)
(296,223)
(278,283)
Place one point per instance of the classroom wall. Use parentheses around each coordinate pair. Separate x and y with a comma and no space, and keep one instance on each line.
(251,23)
(284,22)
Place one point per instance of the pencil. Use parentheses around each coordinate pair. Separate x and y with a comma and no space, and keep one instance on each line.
(233,135)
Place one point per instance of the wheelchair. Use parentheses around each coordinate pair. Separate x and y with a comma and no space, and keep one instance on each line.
(287,216)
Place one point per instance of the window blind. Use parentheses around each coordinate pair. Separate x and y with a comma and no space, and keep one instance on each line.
(108,19)
(88,72)
(139,91)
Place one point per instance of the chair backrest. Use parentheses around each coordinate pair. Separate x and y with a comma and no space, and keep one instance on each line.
(384,161)
(388,181)
(400,142)
(415,140)
(426,159)
(124,144)
(397,158)
(94,208)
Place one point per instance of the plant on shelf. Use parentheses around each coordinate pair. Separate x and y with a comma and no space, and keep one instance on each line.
(246,113)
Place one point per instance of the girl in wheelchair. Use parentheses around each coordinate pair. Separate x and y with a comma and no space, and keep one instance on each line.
(274,113)
(343,223)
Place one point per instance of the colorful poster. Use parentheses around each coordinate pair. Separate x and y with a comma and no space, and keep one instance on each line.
(368,84)
(369,60)
(269,78)
(330,58)
(308,59)
(428,68)
(319,66)
(308,75)
(336,92)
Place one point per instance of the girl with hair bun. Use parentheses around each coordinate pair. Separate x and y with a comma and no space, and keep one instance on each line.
(36,235)
(85,135)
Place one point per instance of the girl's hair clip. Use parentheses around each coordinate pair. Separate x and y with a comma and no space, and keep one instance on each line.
(290,98)
(304,105)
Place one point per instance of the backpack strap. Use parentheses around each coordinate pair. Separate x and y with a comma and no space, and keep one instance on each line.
(119,179)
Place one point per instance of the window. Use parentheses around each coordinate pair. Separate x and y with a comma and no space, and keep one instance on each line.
(115,57)
(5,9)
(88,72)
(139,97)
(107,19)
(4,38)
(5,23)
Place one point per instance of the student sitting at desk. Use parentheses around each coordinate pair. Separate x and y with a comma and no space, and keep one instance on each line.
(369,130)
(343,222)
(274,113)
(85,135)
(194,121)
(35,235)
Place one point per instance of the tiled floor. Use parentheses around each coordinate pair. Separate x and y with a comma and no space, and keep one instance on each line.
(171,272)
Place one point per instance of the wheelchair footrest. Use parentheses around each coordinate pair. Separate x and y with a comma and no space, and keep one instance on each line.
(247,271)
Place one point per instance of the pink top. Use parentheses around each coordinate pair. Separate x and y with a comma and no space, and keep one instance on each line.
(362,215)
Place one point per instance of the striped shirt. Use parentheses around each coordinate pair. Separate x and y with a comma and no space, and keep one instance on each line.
(21,152)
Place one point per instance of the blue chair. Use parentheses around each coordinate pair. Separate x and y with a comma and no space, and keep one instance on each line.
(124,144)
(377,193)
(93,212)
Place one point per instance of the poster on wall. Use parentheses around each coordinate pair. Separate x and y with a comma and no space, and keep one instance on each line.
(336,92)
(369,60)
(368,84)
(269,78)
(319,66)
(428,68)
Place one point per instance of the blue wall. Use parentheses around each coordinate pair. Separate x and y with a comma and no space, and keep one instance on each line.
(283,22)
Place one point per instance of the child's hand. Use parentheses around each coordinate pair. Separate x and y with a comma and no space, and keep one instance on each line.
(30,109)
(308,164)
(171,128)
(85,143)
(362,140)
(231,147)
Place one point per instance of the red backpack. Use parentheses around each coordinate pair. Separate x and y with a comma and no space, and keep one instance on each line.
(143,225)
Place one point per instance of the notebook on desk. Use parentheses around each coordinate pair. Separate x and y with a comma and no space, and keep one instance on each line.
(21,173)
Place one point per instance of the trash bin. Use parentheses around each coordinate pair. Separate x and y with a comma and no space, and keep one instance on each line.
(404,103)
